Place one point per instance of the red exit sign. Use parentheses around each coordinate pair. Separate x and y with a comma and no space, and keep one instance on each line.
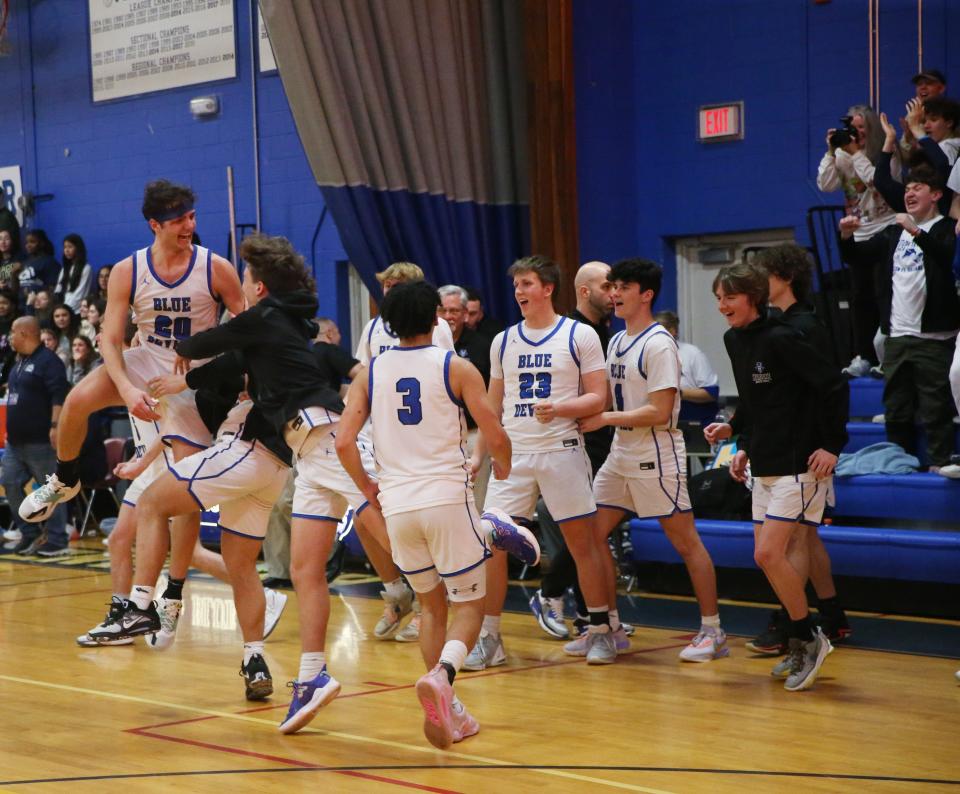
(721,122)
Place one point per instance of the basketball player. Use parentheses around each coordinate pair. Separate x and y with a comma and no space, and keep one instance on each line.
(174,289)
(545,373)
(792,450)
(645,473)
(415,395)
(377,337)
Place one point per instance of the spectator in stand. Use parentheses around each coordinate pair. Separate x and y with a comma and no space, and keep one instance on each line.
(697,376)
(66,325)
(84,359)
(929,83)
(8,315)
(920,313)
(934,125)
(9,223)
(40,305)
(40,267)
(36,392)
(336,365)
(75,278)
(48,339)
(90,325)
(852,168)
(476,319)
(99,291)
(10,263)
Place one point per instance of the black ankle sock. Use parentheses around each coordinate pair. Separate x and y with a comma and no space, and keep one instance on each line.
(829,606)
(174,589)
(599,618)
(68,471)
(451,673)
(802,628)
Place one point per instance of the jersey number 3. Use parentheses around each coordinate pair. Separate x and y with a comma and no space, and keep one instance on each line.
(412,411)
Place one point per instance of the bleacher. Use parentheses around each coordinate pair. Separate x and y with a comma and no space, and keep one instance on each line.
(890,533)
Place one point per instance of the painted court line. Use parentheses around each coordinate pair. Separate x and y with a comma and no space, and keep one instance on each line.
(335,734)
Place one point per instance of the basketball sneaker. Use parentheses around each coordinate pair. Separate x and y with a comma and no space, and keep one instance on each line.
(957,675)
(708,645)
(276,602)
(772,641)
(410,632)
(41,502)
(464,725)
(488,652)
(256,678)
(783,668)
(601,646)
(12,534)
(126,621)
(549,614)
(394,611)
(88,641)
(169,609)
(436,697)
(806,659)
(308,698)
(579,646)
(507,536)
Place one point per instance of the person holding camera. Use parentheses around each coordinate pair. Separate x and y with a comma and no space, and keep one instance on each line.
(850,164)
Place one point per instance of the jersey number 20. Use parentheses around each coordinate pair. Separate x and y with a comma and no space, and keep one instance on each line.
(165,324)
(412,411)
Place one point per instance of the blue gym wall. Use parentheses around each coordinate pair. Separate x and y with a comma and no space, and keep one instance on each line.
(117,147)
(642,69)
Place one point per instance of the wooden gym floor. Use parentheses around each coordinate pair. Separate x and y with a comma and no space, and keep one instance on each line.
(128,719)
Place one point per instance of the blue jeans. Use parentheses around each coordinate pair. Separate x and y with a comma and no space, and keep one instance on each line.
(20,463)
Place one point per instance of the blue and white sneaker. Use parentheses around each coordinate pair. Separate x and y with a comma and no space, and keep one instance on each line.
(308,698)
(549,614)
(40,503)
(507,536)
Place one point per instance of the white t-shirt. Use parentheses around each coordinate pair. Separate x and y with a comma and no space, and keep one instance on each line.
(696,371)
(538,364)
(637,366)
(910,288)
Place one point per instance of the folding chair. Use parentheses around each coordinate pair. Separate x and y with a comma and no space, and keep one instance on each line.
(87,495)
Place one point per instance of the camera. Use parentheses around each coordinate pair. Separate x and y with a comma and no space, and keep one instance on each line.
(847,133)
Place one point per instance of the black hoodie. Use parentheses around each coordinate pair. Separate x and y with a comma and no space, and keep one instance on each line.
(274,338)
(793,399)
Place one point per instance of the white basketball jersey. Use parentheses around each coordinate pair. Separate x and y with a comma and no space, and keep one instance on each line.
(164,312)
(543,364)
(419,430)
(636,366)
(378,338)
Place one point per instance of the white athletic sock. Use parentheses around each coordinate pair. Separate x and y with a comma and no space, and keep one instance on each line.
(142,595)
(395,589)
(491,624)
(311,664)
(710,622)
(454,653)
(614,616)
(250,649)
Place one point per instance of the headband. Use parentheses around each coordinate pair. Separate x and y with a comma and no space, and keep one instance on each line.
(174,212)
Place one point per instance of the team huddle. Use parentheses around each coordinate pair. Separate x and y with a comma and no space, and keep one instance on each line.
(222,412)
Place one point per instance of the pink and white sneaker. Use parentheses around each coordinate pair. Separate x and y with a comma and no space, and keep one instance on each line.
(464,724)
(436,697)
(708,645)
